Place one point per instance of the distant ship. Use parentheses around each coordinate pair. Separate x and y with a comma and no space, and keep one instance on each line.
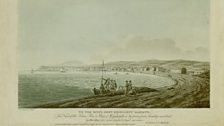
(32,71)
(62,70)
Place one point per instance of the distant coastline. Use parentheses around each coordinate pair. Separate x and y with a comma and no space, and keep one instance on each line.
(146,66)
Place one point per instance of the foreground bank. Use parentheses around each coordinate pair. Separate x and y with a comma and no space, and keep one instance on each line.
(187,92)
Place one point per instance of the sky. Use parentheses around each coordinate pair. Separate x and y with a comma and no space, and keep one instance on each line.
(51,32)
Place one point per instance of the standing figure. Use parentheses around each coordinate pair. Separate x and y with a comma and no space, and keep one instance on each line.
(102,89)
(107,84)
(111,84)
(126,87)
(115,84)
(130,85)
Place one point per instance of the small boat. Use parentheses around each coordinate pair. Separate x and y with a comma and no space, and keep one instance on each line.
(32,71)
(107,86)
(62,70)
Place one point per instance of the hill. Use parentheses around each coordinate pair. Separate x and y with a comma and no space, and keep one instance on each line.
(168,64)
(72,63)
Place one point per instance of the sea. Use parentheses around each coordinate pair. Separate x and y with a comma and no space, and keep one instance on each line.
(46,87)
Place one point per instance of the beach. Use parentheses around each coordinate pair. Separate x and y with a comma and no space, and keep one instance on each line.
(187,92)
(47,87)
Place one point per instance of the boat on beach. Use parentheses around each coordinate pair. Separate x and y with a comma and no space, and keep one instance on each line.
(107,85)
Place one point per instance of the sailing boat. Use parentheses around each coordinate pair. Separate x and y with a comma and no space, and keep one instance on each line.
(98,91)
(62,70)
(107,87)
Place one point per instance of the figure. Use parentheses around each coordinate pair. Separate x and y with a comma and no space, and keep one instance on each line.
(126,87)
(102,89)
(107,84)
(115,84)
(130,85)
(112,85)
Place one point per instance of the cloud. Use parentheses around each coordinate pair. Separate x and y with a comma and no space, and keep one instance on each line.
(199,53)
(139,48)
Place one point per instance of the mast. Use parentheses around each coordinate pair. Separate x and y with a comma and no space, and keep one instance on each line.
(102,72)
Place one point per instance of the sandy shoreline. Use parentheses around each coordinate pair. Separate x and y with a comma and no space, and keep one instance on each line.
(188,92)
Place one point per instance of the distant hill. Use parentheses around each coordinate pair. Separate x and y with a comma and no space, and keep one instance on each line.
(186,63)
(72,63)
(121,63)
(168,64)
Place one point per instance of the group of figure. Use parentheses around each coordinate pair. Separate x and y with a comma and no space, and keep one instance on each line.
(108,86)
(128,87)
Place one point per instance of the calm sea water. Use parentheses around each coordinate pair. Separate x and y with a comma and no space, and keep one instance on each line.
(39,88)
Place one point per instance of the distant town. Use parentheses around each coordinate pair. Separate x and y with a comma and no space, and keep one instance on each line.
(147,66)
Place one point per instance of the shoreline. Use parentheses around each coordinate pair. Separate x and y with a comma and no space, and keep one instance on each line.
(187,92)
